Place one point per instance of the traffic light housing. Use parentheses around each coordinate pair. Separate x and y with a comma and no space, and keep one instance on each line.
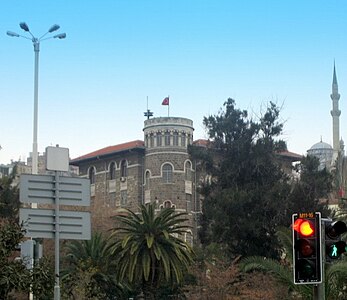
(307,253)
(334,246)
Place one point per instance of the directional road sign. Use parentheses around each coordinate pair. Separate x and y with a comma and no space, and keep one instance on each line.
(39,223)
(41,189)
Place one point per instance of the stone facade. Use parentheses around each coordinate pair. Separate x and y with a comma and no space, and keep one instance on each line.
(157,170)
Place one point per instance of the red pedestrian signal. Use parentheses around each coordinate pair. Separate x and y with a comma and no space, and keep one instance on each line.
(307,254)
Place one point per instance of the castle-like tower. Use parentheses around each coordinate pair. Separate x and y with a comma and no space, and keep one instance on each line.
(335,113)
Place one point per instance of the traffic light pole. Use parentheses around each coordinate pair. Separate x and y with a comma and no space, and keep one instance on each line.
(319,289)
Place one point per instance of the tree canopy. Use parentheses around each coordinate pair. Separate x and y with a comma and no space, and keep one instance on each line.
(248,195)
(9,197)
(149,248)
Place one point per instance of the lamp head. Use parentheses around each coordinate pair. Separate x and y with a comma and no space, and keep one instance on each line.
(54,27)
(13,34)
(24,26)
(60,36)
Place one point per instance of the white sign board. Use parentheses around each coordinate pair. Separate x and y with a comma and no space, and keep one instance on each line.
(57,159)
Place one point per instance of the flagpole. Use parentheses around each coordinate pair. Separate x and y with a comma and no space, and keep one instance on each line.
(168,107)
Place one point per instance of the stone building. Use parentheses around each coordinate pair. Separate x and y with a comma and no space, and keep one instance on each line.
(157,170)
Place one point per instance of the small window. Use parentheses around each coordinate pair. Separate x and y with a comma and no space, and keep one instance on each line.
(183,140)
(92,175)
(167,138)
(159,139)
(151,141)
(112,171)
(175,138)
(167,204)
(167,173)
(123,197)
(188,203)
(124,168)
(188,171)
(189,139)
(148,174)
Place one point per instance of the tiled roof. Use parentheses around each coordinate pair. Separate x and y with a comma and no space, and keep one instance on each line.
(290,155)
(110,150)
(201,142)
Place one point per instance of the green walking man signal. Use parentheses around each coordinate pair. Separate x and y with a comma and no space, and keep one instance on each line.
(334,246)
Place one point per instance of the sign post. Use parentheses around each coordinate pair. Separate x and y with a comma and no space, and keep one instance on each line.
(55,189)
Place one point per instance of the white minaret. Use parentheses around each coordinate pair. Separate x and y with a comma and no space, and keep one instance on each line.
(335,113)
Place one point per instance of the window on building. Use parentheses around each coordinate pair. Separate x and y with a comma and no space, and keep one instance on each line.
(151,141)
(167,173)
(183,139)
(188,171)
(148,174)
(175,138)
(188,203)
(124,168)
(123,197)
(167,204)
(167,138)
(91,175)
(159,139)
(112,170)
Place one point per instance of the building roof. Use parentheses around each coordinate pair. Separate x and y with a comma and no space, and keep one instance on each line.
(290,156)
(110,150)
(201,142)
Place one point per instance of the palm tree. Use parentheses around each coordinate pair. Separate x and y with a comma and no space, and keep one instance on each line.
(87,271)
(335,274)
(148,248)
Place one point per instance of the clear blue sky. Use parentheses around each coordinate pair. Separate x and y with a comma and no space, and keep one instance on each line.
(93,85)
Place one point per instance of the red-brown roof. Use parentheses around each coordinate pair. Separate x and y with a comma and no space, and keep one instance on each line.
(201,142)
(110,150)
(290,155)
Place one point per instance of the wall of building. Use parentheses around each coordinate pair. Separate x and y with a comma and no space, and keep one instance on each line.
(147,178)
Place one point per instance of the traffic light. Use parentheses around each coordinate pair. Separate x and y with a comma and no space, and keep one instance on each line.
(307,254)
(334,247)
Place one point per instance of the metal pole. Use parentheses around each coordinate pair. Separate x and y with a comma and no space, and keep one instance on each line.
(36,90)
(57,229)
(34,161)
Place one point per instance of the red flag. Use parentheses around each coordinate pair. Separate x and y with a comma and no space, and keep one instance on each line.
(166,101)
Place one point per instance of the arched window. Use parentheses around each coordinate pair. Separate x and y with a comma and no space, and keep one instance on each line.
(159,139)
(151,144)
(175,138)
(124,168)
(167,173)
(148,174)
(188,170)
(91,175)
(183,140)
(167,204)
(167,138)
(112,170)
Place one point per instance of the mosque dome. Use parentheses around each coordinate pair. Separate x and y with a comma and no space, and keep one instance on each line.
(320,146)
(324,152)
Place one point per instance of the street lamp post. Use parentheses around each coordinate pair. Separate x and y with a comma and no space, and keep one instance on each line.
(36,43)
